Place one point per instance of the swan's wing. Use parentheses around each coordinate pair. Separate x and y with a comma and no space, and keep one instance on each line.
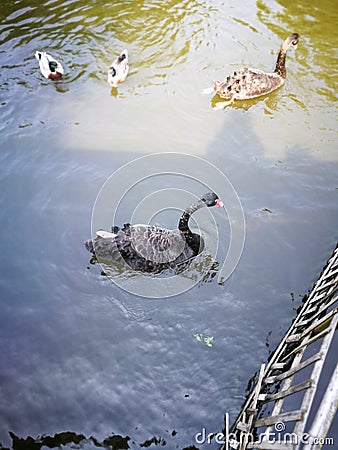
(156,244)
(248,83)
(142,247)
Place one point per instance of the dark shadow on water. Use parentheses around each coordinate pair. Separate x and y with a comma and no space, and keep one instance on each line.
(114,442)
(68,439)
(194,269)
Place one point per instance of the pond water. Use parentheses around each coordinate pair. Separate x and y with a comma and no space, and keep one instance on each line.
(79,354)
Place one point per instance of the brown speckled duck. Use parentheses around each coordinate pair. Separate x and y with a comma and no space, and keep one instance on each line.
(249,83)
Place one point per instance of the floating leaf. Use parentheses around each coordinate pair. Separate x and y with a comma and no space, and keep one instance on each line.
(198,336)
(208,340)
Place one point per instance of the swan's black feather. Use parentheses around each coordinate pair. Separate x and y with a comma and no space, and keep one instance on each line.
(151,248)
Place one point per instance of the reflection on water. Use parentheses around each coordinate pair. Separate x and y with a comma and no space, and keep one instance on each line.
(316,25)
(76,352)
(202,268)
(114,442)
(315,90)
(88,35)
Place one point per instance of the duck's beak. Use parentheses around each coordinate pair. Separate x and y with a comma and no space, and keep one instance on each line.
(219,203)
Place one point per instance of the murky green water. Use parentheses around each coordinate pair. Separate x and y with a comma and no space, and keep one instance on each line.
(76,352)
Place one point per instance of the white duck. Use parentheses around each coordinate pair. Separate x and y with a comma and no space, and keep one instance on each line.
(50,67)
(118,70)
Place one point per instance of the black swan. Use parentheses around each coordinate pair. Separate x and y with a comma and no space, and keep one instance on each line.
(149,248)
(249,83)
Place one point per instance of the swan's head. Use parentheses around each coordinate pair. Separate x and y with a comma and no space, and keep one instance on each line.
(291,40)
(211,199)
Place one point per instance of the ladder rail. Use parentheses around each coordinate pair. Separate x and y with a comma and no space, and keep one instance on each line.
(317,319)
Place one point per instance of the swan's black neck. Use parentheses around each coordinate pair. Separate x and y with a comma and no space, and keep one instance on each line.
(183,223)
(280,64)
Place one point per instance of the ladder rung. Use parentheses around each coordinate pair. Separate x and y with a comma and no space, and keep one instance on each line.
(269,445)
(292,390)
(293,337)
(277,366)
(241,426)
(293,370)
(330,273)
(317,297)
(327,285)
(317,311)
(319,322)
(311,310)
(305,344)
(291,416)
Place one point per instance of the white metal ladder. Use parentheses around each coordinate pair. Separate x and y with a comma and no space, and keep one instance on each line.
(303,350)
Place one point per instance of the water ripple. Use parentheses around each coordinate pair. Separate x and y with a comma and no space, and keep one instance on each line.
(159,37)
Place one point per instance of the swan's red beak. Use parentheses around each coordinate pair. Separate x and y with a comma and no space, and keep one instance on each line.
(219,203)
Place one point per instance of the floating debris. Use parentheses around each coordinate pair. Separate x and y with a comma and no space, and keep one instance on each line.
(206,340)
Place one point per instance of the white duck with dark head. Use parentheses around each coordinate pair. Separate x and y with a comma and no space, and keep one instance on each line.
(118,70)
(248,83)
(50,67)
(149,248)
